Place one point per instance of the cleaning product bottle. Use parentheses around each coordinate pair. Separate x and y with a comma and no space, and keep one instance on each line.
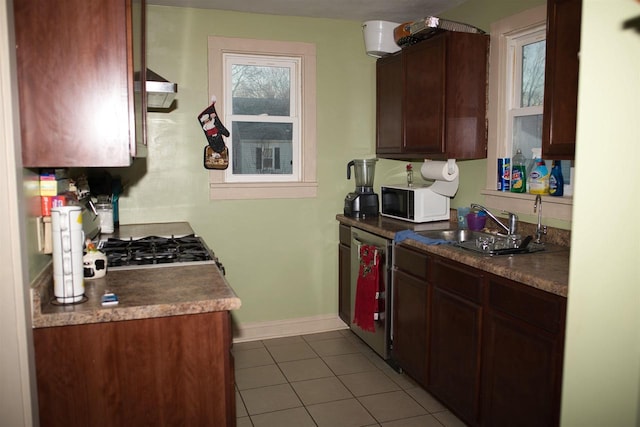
(518,173)
(539,176)
(556,181)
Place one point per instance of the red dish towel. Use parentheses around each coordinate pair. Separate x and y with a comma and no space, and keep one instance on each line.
(366,289)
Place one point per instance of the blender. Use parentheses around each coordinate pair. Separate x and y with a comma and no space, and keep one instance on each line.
(363,202)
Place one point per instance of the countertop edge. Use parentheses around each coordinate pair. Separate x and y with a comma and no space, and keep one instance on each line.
(553,280)
(41,295)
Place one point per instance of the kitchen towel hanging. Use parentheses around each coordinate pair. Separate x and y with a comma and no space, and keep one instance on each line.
(444,174)
(367,287)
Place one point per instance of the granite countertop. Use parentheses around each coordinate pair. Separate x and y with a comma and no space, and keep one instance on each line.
(169,290)
(547,270)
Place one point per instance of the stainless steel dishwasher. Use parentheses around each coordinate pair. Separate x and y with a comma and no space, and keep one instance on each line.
(380,339)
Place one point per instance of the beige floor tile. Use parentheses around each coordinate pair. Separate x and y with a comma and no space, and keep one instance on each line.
(403,380)
(426,400)
(259,376)
(349,363)
(241,411)
(447,419)
(247,345)
(342,413)
(289,352)
(322,336)
(307,369)
(366,383)
(391,406)
(333,347)
(296,417)
(252,357)
(321,390)
(282,341)
(243,422)
(422,421)
(269,399)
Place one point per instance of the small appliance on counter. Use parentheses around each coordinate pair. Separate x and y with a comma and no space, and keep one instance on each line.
(423,203)
(363,202)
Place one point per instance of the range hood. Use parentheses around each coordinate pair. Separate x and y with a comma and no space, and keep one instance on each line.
(160,92)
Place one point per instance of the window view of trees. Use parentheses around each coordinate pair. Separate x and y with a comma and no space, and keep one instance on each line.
(533,61)
(260,90)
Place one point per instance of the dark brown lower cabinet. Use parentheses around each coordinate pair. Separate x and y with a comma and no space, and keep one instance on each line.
(456,321)
(410,325)
(522,361)
(411,294)
(489,348)
(165,371)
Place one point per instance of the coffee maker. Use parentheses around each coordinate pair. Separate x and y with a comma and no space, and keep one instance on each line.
(363,202)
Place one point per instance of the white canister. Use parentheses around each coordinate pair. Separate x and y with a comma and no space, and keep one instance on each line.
(105,213)
(68,242)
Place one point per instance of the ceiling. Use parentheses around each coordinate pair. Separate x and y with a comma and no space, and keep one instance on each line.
(354,10)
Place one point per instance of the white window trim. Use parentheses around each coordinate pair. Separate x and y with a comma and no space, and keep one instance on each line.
(293,65)
(554,207)
(307,186)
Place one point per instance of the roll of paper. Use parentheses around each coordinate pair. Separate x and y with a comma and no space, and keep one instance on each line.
(444,174)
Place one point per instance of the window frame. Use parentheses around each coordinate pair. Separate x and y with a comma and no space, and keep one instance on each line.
(498,119)
(220,188)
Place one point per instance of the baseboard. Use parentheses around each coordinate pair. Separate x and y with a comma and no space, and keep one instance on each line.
(288,327)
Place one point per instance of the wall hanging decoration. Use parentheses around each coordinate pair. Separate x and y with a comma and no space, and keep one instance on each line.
(216,154)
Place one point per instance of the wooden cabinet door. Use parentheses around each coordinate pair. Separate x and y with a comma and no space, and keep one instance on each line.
(523,346)
(166,371)
(389,133)
(424,96)
(410,325)
(454,367)
(561,79)
(75,81)
(520,375)
(456,316)
(431,99)
(344,274)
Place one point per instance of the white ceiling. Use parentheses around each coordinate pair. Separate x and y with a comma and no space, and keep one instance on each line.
(355,10)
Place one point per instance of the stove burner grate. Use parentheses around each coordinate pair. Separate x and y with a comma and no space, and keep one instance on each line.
(155,250)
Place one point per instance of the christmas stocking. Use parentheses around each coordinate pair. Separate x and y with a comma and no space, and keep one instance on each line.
(216,155)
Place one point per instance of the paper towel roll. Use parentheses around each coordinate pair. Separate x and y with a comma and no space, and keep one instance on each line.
(445,175)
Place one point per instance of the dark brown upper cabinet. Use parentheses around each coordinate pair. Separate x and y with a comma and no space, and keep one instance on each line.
(76,62)
(431,99)
(561,79)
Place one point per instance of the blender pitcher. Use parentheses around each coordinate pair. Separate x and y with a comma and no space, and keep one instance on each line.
(365,170)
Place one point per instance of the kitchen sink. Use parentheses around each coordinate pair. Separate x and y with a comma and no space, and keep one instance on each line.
(485,243)
(454,235)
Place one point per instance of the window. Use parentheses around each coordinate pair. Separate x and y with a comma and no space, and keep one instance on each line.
(516,95)
(267,90)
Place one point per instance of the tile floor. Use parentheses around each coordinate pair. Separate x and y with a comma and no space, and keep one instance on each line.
(330,379)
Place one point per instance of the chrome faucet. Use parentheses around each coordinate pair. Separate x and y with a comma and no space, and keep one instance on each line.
(513,219)
(540,229)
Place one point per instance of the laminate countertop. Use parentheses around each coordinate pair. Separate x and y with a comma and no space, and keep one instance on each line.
(547,270)
(169,290)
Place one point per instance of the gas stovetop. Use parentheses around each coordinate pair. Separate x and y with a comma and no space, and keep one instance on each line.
(155,251)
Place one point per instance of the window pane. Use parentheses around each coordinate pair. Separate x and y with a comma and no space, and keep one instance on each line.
(260,90)
(262,148)
(532,91)
(527,134)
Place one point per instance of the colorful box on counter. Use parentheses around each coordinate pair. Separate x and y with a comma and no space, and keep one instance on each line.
(52,186)
(49,202)
(504,174)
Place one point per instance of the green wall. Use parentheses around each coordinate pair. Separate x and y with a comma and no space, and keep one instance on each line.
(280,255)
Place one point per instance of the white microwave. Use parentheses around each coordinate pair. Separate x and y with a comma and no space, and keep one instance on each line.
(415,204)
